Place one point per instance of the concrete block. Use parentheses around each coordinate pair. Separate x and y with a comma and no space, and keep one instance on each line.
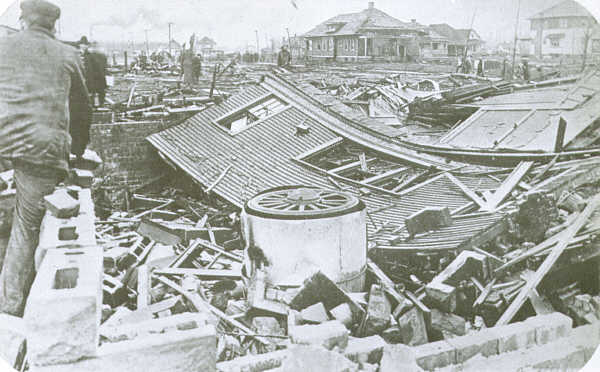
(311,358)
(393,335)
(586,338)
(441,321)
(319,288)
(328,334)
(64,307)
(314,314)
(61,204)
(174,351)
(366,349)
(342,313)
(550,327)
(12,340)
(441,290)
(413,328)
(52,226)
(379,312)
(435,355)
(399,358)
(129,331)
(558,356)
(428,219)
(515,336)
(254,363)
(83,178)
(484,343)
(269,326)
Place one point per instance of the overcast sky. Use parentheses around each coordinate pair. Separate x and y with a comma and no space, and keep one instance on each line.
(232,23)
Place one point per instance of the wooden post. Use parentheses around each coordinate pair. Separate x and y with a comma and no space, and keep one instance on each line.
(126,69)
(560,134)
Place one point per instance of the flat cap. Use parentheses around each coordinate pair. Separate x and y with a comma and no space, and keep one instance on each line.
(41,7)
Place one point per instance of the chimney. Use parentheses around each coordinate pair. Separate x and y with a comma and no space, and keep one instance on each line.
(371,4)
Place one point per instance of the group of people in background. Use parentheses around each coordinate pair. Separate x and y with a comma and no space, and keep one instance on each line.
(468,66)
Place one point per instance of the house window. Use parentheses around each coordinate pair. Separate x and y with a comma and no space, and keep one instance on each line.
(245,117)
(330,44)
(596,46)
(564,23)
(344,160)
(552,23)
(435,46)
(555,39)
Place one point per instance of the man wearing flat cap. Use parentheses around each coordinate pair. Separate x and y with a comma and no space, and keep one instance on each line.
(42,95)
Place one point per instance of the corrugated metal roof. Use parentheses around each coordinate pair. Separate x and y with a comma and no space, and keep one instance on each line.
(530,125)
(262,157)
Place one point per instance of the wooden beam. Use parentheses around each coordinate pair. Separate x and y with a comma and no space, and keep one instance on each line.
(216,248)
(508,185)
(202,273)
(143,287)
(570,232)
(219,179)
(467,191)
(201,305)
(560,135)
(485,293)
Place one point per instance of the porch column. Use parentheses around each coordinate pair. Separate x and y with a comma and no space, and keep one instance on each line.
(366,44)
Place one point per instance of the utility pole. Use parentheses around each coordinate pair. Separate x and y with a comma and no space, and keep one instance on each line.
(147,47)
(257,46)
(287,30)
(514,56)
(469,36)
(170,38)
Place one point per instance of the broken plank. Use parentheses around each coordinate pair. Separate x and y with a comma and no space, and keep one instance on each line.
(216,248)
(485,293)
(467,191)
(143,287)
(202,305)
(579,222)
(508,185)
(202,273)
(387,283)
(540,304)
(219,179)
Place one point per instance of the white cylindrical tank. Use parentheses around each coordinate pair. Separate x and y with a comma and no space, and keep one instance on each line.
(298,229)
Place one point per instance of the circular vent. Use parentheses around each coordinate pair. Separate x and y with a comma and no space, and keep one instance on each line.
(302,202)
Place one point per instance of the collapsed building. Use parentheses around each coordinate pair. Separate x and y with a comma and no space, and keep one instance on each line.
(321,237)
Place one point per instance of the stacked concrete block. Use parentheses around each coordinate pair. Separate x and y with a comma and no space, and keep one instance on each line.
(61,204)
(64,307)
(13,340)
(366,349)
(328,334)
(435,355)
(73,232)
(191,350)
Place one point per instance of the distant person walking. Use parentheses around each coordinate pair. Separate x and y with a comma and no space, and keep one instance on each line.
(197,67)
(480,68)
(95,64)
(284,59)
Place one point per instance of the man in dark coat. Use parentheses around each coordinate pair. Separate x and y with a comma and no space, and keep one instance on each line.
(95,64)
(283,57)
(41,81)
(197,67)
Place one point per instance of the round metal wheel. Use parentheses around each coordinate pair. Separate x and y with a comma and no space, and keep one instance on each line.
(302,202)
